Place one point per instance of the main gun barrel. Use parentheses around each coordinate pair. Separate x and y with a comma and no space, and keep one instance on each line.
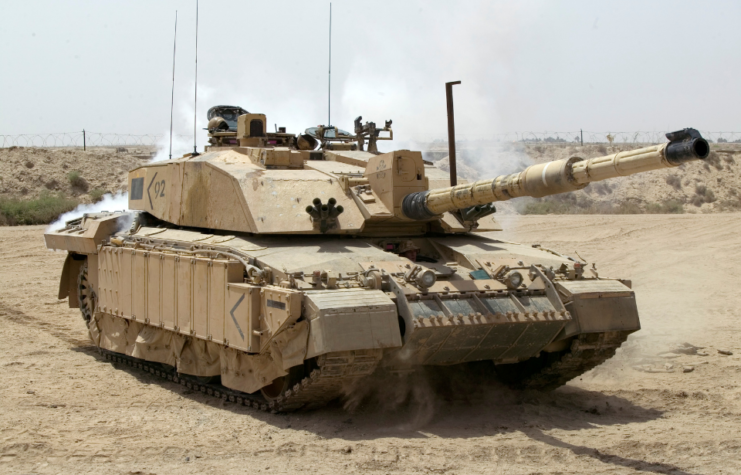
(559,176)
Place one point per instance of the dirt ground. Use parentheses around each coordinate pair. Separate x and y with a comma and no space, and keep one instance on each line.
(65,410)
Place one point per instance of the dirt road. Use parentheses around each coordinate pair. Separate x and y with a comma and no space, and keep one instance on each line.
(65,410)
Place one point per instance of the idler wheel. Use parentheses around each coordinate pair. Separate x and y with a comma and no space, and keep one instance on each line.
(85,294)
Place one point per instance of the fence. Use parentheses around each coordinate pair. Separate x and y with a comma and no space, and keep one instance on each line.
(97,139)
(78,139)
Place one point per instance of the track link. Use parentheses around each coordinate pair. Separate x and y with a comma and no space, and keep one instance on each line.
(587,351)
(324,384)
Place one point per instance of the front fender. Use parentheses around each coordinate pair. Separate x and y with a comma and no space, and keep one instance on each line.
(68,281)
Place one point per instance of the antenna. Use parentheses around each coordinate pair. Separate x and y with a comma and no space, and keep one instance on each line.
(195,98)
(172,100)
(329,91)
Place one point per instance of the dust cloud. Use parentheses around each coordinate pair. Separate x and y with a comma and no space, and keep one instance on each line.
(410,400)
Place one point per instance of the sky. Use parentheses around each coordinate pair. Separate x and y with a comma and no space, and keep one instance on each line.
(524,66)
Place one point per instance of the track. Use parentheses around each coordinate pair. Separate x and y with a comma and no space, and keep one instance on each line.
(324,384)
(587,351)
(337,371)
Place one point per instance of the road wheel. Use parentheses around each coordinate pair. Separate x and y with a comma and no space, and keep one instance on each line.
(85,294)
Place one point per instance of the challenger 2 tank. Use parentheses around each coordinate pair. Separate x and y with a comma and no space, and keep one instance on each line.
(275,269)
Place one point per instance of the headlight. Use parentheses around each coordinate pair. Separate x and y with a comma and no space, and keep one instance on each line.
(513,280)
(426,279)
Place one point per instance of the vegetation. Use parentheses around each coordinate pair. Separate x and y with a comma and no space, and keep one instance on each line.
(77,181)
(97,194)
(674,181)
(43,210)
(703,194)
(665,207)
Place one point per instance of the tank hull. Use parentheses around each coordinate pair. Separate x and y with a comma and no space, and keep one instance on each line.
(290,323)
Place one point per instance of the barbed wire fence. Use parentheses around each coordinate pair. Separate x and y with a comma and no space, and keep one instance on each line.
(84,139)
(98,139)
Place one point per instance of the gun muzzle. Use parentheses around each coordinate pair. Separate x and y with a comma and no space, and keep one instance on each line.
(559,176)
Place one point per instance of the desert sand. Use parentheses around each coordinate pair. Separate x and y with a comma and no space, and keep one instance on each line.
(64,409)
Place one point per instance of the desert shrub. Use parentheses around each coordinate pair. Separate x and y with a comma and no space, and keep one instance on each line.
(674,181)
(602,150)
(97,194)
(714,160)
(673,207)
(731,204)
(77,181)
(703,194)
(665,207)
(602,188)
(43,210)
(627,207)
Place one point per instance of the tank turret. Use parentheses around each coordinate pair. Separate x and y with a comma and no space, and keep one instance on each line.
(270,182)
(558,176)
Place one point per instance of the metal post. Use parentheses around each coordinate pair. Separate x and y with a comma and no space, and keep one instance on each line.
(84,144)
(451,132)
(581,137)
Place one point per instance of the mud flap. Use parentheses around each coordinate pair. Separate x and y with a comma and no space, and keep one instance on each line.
(289,346)
(200,358)
(115,334)
(68,281)
(161,346)
(248,373)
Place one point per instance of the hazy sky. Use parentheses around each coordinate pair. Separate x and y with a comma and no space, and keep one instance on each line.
(525,66)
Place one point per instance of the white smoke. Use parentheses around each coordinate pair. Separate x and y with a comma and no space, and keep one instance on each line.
(120,200)
(110,202)
(180,146)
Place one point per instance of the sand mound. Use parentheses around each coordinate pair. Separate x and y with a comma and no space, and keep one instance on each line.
(26,173)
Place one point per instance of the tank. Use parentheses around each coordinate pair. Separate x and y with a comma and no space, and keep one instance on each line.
(276,270)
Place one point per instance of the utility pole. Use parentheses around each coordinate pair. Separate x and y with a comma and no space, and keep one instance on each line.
(581,135)
(84,144)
